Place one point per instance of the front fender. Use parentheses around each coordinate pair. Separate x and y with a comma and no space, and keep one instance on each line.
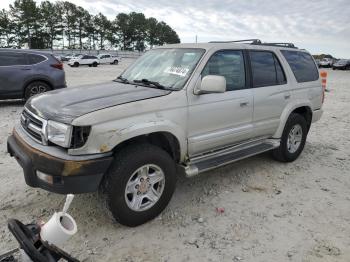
(104,138)
(286,113)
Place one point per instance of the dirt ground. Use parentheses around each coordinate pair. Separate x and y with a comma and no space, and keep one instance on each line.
(272,211)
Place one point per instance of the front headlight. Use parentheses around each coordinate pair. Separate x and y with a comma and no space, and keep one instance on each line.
(59,133)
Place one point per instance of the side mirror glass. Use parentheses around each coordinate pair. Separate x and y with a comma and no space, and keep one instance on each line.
(211,84)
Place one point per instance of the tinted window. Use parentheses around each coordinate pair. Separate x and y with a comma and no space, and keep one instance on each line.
(11,58)
(302,65)
(266,69)
(229,64)
(35,59)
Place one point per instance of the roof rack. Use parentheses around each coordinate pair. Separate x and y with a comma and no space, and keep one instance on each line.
(253,41)
(290,45)
(258,42)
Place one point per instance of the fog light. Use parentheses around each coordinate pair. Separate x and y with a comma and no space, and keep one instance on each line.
(44,177)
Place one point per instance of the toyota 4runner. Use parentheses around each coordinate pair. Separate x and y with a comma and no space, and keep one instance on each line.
(184,108)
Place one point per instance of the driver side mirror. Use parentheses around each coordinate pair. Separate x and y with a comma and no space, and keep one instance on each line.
(211,84)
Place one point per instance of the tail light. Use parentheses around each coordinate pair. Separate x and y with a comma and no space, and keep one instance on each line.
(57,66)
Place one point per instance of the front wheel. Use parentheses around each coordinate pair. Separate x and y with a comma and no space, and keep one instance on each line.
(293,139)
(94,64)
(139,184)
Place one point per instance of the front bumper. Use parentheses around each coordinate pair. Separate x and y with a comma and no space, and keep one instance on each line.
(68,176)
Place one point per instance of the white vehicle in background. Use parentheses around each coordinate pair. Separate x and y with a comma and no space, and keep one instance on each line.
(326,62)
(108,59)
(84,60)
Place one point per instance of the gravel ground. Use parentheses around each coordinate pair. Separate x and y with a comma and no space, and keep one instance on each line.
(272,211)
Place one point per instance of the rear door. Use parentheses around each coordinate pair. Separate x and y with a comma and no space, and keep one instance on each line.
(108,59)
(14,69)
(85,60)
(270,91)
(103,59)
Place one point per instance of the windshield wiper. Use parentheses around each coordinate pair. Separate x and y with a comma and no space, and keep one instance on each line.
(149,82)
(122,79)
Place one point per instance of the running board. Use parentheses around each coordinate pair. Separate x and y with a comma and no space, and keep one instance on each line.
(226,156)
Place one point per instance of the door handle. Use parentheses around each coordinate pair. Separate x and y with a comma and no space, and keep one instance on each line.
(25,68)
(245,103)
(286,96)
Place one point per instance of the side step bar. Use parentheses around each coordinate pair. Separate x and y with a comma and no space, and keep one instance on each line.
(226,156)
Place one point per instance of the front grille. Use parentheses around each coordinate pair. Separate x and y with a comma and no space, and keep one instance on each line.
(32,125)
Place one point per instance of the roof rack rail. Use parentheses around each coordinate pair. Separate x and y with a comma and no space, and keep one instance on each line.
(258,42)
(253,41)
(290,45)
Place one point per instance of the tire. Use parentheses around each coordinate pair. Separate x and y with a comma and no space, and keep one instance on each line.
(286,152)
(123,172)
(94,64)
(90,65)
(76,64)
(115,62)
(35,88)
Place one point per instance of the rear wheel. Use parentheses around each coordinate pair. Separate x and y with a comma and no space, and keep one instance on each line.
(293,139)
(139,184)
(94,64)
(76,64)
(115,62)
(35,88)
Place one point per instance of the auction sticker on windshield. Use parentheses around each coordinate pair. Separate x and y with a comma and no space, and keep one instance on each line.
(177,70)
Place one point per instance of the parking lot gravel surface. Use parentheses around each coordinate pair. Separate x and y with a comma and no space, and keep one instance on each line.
(254,210)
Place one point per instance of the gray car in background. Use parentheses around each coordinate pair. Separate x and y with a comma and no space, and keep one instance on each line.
(24,73)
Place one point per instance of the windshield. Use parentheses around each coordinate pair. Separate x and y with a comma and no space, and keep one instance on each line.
(167,67)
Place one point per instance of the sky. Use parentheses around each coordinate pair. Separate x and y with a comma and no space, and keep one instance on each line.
(320,26)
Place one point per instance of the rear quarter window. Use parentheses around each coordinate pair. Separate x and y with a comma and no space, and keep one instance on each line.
(35,59)
(302,65)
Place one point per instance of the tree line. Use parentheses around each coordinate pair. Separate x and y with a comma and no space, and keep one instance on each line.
(66,25)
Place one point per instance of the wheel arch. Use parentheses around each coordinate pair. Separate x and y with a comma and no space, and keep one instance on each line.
(40,79)
(302,108)
(163,139)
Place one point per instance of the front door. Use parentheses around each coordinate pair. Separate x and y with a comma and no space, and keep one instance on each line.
(221,119)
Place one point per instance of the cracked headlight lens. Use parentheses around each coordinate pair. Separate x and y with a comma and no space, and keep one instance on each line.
(59,133)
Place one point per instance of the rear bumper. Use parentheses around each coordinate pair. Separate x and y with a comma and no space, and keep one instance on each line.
(316,115)
(68,176)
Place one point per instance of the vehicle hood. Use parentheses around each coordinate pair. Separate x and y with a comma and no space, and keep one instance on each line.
(64,105)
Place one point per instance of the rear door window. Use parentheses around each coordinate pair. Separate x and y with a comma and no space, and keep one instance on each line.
(302,65)
(35,59)
(12,59)
(266,69)
(230,64)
